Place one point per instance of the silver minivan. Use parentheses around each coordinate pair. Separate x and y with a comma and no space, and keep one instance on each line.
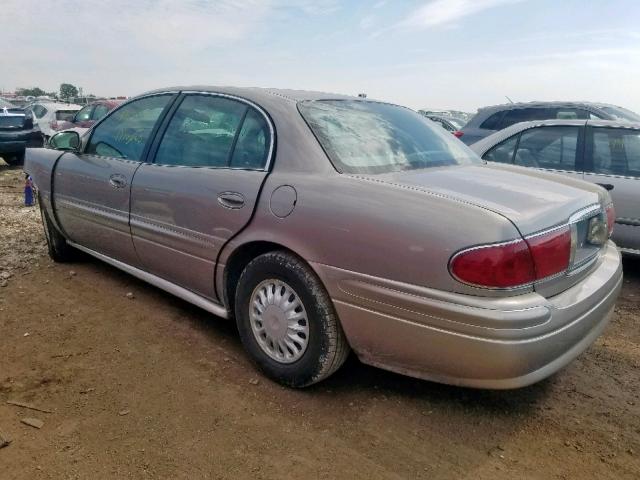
(604,152)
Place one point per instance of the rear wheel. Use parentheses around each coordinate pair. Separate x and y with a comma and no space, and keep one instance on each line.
(287,322)
(59,250)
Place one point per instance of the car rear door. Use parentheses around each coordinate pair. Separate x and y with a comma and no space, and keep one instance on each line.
(613,160)
(209,162)
(556,149)
(91,189)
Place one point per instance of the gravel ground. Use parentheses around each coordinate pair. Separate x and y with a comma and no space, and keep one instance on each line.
(138,384)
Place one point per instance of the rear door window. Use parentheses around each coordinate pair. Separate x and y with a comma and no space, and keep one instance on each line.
(126,132)
(548,147)
(252,146)
(517,115)
(201,132)
(493,122)
(503,152)
(616,151)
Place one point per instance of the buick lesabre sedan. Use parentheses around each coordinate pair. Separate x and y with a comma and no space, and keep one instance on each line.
(323,224)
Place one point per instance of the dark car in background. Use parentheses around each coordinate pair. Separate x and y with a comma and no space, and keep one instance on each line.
(16,133)
(605,152)
(489,120)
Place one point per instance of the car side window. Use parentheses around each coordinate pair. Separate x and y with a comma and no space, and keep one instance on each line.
(503,152)
(252,146)
(39,111)
(201,132)
(518,115)
(84,114)
(493,122)
(616,151)
(99,112)
(125,133)
(548,147)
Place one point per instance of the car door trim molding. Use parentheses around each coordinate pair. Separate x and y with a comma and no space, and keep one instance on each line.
(161,283)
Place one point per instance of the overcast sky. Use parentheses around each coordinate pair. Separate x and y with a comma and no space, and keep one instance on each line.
(459,54)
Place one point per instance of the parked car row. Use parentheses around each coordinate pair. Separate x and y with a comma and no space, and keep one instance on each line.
(17,132)
(34,124)
(324,223)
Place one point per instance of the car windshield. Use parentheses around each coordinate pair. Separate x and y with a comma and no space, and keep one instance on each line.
(372,137)
(619,113)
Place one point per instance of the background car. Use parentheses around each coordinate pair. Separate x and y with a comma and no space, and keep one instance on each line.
(367,228)
(50,116)
(89,115)
(450,124)
(604,152)
(489,120)
(17,132)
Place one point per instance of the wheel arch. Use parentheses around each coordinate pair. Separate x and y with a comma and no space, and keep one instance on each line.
(238,259)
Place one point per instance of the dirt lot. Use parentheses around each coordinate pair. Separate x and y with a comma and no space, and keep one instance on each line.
(151,387)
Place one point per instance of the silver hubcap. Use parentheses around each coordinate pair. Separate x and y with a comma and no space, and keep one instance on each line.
(279,321)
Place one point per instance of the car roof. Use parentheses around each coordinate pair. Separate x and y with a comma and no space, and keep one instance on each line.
(257,93)
(555,103)
(58,105)
(488,142)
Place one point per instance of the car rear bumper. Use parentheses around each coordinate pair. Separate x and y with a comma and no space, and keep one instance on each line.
(473,341)
(16,142)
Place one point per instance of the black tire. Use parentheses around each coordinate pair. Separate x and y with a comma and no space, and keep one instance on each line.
(59,250)
(19,159)
(326,348)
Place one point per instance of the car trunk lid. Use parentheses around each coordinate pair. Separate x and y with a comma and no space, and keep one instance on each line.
(533,201)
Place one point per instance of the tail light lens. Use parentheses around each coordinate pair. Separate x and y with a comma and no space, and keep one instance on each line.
(458,133)
(514,264)
(54,125)
(495,266)
(611,218)
(551,252)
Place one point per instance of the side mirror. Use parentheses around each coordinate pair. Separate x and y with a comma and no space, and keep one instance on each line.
(65,141)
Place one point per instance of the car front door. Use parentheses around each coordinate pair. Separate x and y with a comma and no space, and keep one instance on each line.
(91,189)
(209,164)
(613,160)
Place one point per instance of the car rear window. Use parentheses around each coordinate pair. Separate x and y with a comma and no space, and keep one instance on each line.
(11,121)
(65,115)
(371,137)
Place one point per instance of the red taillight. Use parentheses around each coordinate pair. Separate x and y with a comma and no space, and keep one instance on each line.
(551,252)
(458,133)
(516,263)
(496,266)
(54,125)
(611,218)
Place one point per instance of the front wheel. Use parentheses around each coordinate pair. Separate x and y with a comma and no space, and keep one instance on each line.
(59,250)
(287,322)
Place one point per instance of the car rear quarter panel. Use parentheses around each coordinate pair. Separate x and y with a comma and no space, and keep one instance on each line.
(367,228)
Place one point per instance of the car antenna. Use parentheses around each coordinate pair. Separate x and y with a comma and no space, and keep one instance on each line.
(510,101)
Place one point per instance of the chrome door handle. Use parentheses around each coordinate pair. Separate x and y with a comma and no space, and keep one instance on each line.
(233,200)
(117,181)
